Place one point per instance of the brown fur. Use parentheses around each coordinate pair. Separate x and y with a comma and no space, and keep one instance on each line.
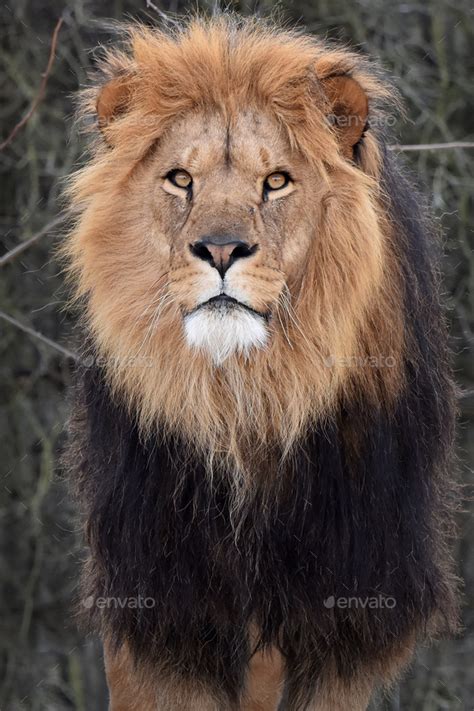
(133,690)
(331,285)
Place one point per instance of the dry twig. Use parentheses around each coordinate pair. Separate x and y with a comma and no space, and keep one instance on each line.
(41,91)
(39,336)
(431,146)
(9,256)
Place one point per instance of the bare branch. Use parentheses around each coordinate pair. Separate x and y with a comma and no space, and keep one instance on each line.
(13,253)
(41,91)
(39,336)
(430,146)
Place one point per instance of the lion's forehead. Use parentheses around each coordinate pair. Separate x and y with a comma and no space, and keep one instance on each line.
(251,141)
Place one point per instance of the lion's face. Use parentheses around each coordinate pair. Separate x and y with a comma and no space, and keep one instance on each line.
(232,209)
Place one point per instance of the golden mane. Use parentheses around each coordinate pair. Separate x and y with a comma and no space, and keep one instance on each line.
(346,312)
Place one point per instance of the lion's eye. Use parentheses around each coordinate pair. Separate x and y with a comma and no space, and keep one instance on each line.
(180,178)
(276,181)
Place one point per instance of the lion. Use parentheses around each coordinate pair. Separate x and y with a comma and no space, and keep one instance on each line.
(263,425)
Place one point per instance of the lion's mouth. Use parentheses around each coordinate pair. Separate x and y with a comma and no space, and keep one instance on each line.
(223,303)
(222,326)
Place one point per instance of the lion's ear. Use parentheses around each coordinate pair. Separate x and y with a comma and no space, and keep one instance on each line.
(349,109)
(112,100)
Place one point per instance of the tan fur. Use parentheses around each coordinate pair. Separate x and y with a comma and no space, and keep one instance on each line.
(337,694)
(265,682)
(132,689)
(265,678)
(127,689)
(325,268)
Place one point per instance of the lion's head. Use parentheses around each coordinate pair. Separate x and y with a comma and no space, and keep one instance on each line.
(232,247)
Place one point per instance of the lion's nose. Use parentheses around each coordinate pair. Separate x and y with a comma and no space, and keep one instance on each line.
(222,251)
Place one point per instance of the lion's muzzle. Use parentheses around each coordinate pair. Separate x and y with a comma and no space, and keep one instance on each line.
(223,326)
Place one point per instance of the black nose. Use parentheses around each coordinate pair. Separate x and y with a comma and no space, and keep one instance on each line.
(221,251)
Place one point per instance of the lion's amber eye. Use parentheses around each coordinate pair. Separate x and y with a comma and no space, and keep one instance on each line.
(276,181)
(180,178)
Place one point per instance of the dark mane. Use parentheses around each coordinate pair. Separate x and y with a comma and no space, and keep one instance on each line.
(359,512)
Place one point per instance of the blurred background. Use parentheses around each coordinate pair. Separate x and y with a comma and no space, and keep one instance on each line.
(45,663)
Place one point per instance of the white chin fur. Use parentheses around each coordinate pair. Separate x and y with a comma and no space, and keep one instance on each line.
(223,332)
